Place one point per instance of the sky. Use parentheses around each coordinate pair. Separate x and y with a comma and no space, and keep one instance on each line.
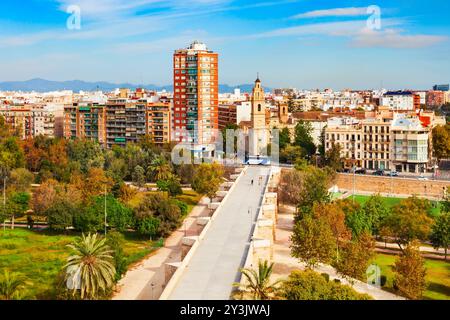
(307,44)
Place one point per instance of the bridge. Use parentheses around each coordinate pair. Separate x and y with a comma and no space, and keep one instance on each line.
(214,260)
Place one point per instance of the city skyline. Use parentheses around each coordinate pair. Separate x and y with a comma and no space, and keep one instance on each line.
(301,44)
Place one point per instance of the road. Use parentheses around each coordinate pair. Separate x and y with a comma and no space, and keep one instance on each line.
(215,265)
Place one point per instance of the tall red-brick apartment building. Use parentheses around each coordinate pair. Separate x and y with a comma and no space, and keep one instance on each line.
(196,94)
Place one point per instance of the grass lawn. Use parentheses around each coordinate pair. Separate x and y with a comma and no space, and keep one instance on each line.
(438,276)
(390,202)
(40,256)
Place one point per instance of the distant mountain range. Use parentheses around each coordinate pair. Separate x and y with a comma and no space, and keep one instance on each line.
(42,85)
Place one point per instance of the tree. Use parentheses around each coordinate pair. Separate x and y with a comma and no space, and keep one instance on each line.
(93,184)
(258,282)
(291,154)
(284,138)
(171,185)
(60,215)
(186,173)
(333,157)
(355,257)
(159,169)
(309,285)
(21,179)
(441,142)
(440,233)
(115,240)
(409,220)
(12,285)
(87,153)
(138,176)
(126,193)
(376,212)
(291,185)
(313,241)
(314,189)
(207,179)
(410,272)
(303,137)
(17,204)
(93,262)
(355,218)
(147,226)
(159,206)
(334,216)
(118,215)
(44,196)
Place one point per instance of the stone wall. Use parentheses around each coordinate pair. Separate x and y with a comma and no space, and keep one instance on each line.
(399,186)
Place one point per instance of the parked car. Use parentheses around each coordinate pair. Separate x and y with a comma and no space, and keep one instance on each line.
(378,173)
(393,174)
(423,178)
(361,171)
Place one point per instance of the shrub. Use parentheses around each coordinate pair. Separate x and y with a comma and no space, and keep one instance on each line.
(89,221)
(309,285)
(115,241)
(60,215)
(148,226)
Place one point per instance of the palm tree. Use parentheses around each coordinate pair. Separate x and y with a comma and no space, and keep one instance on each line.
(11,285)
(160,169)
(258,281)
(92,264)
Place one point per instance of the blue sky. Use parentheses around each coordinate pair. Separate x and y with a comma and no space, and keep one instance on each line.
(292,43)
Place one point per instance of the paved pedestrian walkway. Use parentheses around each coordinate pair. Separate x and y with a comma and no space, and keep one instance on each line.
(215,264)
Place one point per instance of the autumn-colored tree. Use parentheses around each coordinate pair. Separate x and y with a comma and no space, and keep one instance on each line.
(441,142)
(410,220)
(44,196)
(334,216)
(355,257)
(21,179)
(410,272)
(207,179)
(290,187)
(313,241)
(93,184)
(33,154)
(126,193)
(57,153)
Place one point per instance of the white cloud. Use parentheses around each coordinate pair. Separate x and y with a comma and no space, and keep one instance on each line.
(391,38)
(336,12)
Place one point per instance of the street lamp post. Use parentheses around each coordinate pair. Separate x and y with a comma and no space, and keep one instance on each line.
(105,212)
(354,183)
(4,202)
